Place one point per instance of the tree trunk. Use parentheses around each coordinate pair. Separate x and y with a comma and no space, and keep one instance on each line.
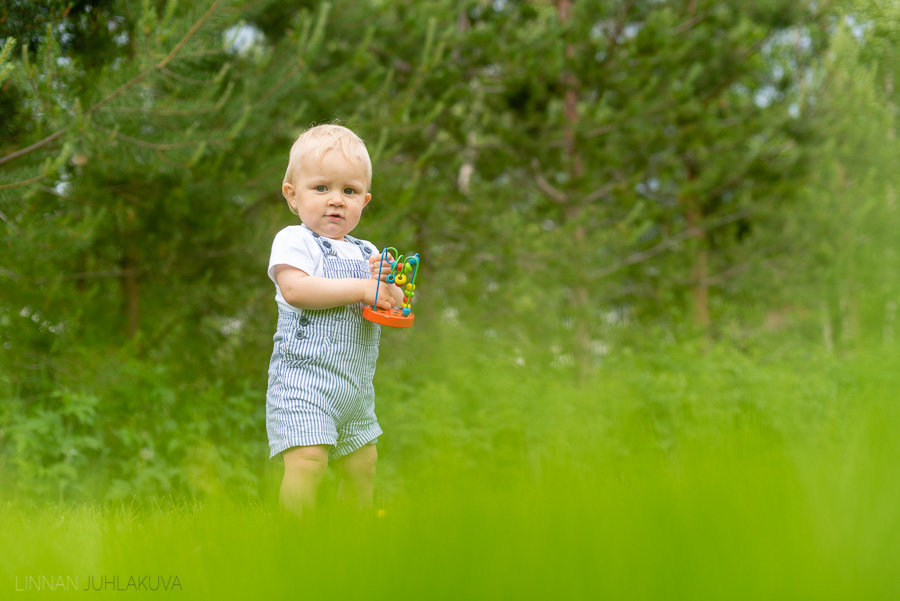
(580,294)
(700,267)
(848,289)
(131,291)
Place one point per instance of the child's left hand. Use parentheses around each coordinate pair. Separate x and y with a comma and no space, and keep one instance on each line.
(374,261)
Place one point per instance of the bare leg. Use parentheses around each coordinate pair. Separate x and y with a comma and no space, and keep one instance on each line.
(357,472)
(303,471)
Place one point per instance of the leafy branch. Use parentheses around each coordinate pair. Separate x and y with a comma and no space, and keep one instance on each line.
(158,67)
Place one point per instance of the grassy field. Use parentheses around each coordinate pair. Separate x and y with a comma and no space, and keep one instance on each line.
(671,475)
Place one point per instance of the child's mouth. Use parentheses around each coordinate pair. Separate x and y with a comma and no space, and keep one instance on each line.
(334,217)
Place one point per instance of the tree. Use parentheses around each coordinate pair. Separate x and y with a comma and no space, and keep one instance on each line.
(845,230)
(630,151)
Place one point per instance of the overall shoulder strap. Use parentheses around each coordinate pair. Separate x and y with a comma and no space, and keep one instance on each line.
(363,247)
(324,245)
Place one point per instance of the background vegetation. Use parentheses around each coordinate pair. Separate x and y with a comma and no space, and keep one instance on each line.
(657,328)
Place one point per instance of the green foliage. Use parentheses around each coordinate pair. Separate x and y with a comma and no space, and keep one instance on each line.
(134,428)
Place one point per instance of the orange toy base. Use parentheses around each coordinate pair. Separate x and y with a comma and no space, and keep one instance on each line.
(393,317)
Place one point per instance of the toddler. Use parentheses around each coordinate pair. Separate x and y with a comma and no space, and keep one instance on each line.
(320,403)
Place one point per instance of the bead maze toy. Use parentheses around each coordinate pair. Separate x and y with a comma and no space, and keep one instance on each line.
(403,274)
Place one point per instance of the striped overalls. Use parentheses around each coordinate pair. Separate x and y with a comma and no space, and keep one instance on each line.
(320,375)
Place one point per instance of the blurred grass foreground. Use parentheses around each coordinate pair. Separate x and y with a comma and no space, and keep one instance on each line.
(671,474)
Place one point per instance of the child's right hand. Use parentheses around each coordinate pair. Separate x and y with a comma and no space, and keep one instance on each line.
(380,269)
(384,300)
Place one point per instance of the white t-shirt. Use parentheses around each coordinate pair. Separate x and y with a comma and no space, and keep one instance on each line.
(295,246)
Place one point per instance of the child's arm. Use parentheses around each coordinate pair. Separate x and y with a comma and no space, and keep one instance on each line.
(304,291)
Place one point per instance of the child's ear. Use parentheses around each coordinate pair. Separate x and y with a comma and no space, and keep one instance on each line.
(287,190)
(368,198)
(290,195)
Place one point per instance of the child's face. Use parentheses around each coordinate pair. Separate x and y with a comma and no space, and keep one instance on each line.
(328,195)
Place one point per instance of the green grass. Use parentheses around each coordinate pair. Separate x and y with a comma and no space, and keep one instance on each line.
(672,475)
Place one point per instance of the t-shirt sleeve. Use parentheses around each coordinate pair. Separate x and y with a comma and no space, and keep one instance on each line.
(292,247)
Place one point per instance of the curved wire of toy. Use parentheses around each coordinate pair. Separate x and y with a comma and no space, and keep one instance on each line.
(414,260)
(384,253)
(412,263)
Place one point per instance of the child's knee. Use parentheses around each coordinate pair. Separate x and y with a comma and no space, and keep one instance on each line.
(311,460)
(360,462)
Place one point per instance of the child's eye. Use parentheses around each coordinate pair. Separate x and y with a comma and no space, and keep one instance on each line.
(320,188)
(349,191)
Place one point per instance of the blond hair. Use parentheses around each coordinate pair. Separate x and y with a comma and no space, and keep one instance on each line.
(317,140)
